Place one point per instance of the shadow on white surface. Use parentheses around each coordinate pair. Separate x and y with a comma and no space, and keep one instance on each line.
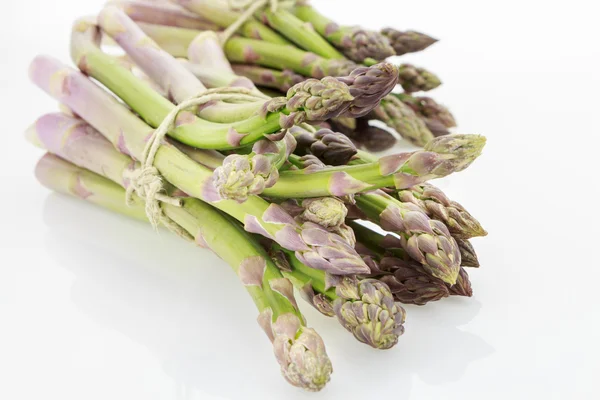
(187,308)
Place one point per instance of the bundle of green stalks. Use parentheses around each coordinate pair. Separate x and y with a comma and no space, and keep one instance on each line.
(261,181)
(278,48)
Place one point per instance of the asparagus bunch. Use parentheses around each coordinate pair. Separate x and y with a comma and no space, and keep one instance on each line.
(271,174)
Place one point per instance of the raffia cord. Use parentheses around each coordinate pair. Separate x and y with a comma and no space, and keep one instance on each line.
(146,182)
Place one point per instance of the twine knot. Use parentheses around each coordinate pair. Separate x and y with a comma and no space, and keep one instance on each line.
(146,182)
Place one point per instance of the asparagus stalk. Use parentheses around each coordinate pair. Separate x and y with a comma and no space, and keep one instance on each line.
(173,40)
(357,44)
(427,241)
(414,79)
(270,78)
(407,280)
(242,175)
(299,350)
(300,33)
(170,75)
(333,148)
(467,253)
(428,108)
(460,223)
(365,307)
(320,249)
(403,120)
(194,131)
(463,285)
(249,51)
(405,42)
(162,14)
(440,157)
(219,13)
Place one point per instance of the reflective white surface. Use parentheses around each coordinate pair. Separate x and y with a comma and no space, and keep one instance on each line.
(94,306)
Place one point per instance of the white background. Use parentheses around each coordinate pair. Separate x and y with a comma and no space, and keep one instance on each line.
(93,306)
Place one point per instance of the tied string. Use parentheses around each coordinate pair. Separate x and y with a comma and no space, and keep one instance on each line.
(249,7)
(147,183)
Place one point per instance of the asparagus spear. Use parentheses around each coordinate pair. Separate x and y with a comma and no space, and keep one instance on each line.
(319,249)
(357,44)
(249,51)
(300,33)
(427,241)
(299,350)
(333,148)
(463,285)
(170,75)
(162,14)
(414,79)
(219,13)
(467,252)
(403,120)
(365,307)
(430,199)
(440,157)
(426,107)
(405,42)
(407,280)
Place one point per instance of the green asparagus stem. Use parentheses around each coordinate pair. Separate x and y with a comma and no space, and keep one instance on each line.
(414,79)
(403,120)
(249,51)
(440,158)
(319,248)
(162,14)
(219,13)
(357,44)
(430,199)
(271,78)
(407,41)
(168,73)
(299,350)
(300,33)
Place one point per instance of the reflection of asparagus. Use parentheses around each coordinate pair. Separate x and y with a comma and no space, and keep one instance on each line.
(299,350)
(408,41)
